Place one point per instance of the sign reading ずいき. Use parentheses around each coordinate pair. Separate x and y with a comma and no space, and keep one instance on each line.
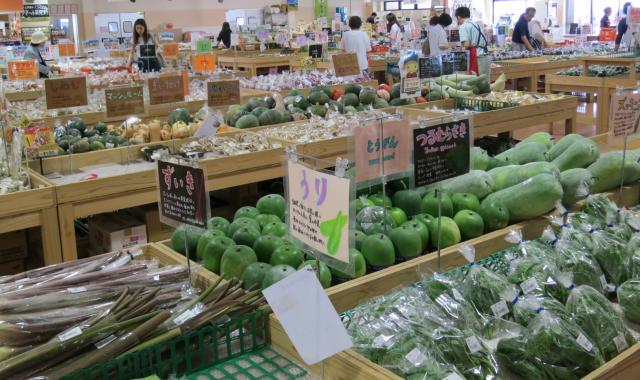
(182,195)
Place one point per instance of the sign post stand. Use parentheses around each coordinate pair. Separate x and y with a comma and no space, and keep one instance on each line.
(624,120)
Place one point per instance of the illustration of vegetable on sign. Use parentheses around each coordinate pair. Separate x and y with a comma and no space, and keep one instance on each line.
(332,229)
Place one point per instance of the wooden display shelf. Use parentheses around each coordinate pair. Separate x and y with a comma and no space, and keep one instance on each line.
(23,95)
(254,62)
(350,365)
(200,277)
(138,187)
(514,118)
(323,65)
(603,88)
(34,208)
(305,90)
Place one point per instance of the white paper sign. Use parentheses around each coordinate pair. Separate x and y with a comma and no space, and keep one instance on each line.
(208,127)
(307,316)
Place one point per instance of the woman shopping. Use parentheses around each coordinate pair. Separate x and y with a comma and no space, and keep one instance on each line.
(33,52)
(144,48)
(395,31)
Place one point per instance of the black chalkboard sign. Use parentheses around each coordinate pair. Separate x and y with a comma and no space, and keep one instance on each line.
(447,64)
(441,151)
(35,10)
(315,51)
(460,60)
(454,35)
(430,67)
(182,195)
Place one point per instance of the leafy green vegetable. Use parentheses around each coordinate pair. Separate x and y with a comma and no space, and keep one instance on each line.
(528,307)
(610,252)
(595,315)
(584,270)
(512,354)
(485,288)
(629,299)
(454,345)
(633,253)
(539,276)
(600,206)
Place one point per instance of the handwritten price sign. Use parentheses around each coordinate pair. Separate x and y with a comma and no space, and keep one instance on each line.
(23,70)
(66,50)
(345,64)
(376,148)
(203,62)
(66,92)
(625,113)
(124,101)
(168,89)
(223,93)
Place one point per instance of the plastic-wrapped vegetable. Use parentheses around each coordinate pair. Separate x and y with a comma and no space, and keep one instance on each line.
(633,253)
(422,362)
(610,252)
(537,275)
(513,355)
(528,248)
(596,316)
(629,300)
(491,293)
(571,258)
(599,206)
(561,343)
(583,221)
(529,306)
(467,352)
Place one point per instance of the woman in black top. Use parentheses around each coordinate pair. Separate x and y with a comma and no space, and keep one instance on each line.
(604,21)
(622,25)
(225,35)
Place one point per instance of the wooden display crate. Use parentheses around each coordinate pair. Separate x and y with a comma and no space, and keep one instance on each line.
(34,208)
(23,95)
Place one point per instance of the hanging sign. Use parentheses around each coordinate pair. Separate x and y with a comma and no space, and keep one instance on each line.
(345,64)
(315,51)
(409,75)
(170,50)
(66,92)
(223,93)
(66,50)
(460,60)
(23,70)
(379,143)
(441,151)
(624,119)
(203,62)
(301,40)
(430,67)
(204,46)
(124,101)
(35,11)
(165,89)
(318,206)
(40,142)
(182,195)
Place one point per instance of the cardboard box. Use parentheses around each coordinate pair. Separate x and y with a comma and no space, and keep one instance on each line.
(109,232)
(11,267)
(13,246)
(150,215)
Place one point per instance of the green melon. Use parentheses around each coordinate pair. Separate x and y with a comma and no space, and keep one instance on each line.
(319,98)
(350,100)
(270,117)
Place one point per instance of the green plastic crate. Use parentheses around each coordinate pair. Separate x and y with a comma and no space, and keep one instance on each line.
(481,105)
(263,364)
(203,348)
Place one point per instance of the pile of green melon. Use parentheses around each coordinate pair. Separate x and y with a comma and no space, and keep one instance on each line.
(255,247)
(297,106)
(78,138)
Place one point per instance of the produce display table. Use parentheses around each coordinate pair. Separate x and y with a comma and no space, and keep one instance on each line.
(513,118)
(601,87)
(34,208)
(320,64)
(305,90)
(531,69)
(253,63)
(514,71)
(134,184)
(629,62)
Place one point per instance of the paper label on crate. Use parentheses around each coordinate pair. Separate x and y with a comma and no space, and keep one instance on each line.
(529,285)
(416,356)
(457,295)
(621,343)
(453,376)
(69,334)
(603,281)
(584,342)
(187,315)
(105,341)
(500,308)
(473,344)
(156,277)
(79,289)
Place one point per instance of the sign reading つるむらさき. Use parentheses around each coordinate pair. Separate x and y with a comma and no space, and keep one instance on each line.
(379,143)
(319,210)
(182,195)
(441,151)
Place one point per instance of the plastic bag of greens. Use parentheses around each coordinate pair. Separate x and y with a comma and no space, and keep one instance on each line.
(584,221)
(560,343)
(422,363)
(633,254)
(537,276)
(491,293)
(514,357)
(571,258)
(596,316)
(466,351)
(528,248)
(529,306)
(599,206)
(629,300)
(610,252)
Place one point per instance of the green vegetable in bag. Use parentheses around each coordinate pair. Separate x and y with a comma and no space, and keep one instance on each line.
(456,347)
(629,300)
(596,316)
(485,288)
(537,276)
(610,252)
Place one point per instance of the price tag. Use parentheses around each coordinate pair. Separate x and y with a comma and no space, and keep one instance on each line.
(166,89)
(345,64)
(22,70)
(473,344)
(204,46)
(69,334)
(315,51)
(66,50)
(529,285)
(500,308)
(584,342)
(385,341)
(223,93)
(124,101)
(416,356)
(66,92)
(621,343)
(457,295)
(203,62)
(170,50)
(623,117)
(79,289)
(453,376)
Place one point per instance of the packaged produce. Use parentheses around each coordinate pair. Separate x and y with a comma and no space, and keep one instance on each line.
(629,300)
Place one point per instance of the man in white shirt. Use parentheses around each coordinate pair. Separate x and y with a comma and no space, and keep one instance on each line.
(473,39)
(356,41)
